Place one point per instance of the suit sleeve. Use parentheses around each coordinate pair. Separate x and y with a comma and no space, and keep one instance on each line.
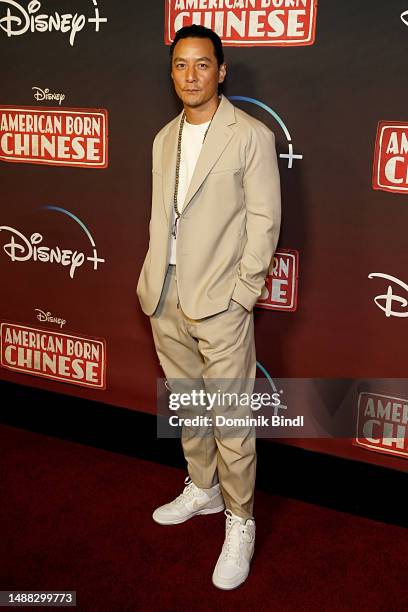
(261,185)
(144,273)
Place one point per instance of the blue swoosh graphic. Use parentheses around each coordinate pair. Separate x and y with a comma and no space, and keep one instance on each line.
(267,109)
(267,375)
(75,218)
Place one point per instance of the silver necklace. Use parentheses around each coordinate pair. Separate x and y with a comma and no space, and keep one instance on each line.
(176,185)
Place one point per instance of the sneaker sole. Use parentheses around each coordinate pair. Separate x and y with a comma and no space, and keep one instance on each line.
(198,512)
(226,587)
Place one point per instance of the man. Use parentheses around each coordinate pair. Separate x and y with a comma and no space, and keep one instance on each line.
(214,227)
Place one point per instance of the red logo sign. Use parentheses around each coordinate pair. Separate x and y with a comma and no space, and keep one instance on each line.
(382,424)
(53,136)
(248,23)
(73,359)
(390,171)
(281,285)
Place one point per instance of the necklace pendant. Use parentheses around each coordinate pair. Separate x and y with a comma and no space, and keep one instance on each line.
(174,232)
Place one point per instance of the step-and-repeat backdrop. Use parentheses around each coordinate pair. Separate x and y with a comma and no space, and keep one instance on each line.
(86,86)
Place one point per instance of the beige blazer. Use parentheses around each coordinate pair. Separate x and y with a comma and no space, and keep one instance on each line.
(229,227)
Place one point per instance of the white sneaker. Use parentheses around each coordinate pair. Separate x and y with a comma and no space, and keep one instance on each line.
(233,564)
(192,501)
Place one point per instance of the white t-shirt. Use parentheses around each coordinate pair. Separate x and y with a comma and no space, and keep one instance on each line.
(191,143)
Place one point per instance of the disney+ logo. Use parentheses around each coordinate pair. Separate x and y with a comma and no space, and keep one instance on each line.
(389,300)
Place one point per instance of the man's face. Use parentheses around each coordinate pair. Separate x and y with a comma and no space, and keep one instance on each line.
(195,71)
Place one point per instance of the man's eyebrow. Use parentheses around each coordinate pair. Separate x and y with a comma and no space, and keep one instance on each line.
(198,59)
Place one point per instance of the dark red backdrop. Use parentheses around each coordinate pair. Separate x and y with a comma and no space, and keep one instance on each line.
(330,95)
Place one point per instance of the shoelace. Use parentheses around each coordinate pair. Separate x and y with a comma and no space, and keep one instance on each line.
(232,548)
(187,491)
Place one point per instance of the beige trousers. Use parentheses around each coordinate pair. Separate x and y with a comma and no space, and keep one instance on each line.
(218,353)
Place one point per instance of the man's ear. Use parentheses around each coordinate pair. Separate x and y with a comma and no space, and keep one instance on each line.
(222,72)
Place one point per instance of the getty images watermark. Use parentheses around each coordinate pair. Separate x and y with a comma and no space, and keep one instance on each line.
(231,407)
(372,413)
(223,399)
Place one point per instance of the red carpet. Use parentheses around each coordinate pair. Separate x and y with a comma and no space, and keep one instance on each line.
(79,518)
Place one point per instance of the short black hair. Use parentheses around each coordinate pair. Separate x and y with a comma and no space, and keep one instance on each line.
(199,31)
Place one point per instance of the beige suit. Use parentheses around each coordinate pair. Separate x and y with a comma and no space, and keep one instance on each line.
(201,309)
(229,226)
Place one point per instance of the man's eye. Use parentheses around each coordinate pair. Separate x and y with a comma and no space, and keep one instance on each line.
(179,65)
(203,65)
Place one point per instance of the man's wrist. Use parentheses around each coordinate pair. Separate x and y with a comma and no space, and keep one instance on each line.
(243,296)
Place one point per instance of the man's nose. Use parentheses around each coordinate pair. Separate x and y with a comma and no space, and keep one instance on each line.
(191,74)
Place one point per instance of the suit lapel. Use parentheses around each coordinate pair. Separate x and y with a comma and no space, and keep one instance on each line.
(169,164)
(216,141)
(213,146)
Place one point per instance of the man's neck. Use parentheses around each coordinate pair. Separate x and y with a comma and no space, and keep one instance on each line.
(201,115)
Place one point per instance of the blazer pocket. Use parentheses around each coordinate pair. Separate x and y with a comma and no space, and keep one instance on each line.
(237,305)
(226,171)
